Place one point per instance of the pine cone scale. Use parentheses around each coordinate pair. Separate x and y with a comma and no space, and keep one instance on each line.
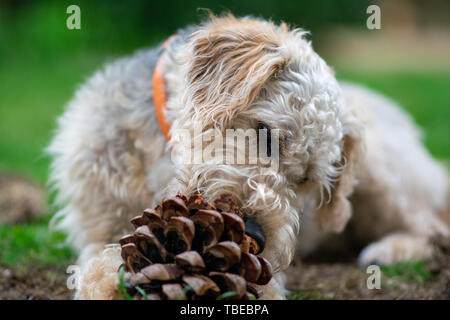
(193,249)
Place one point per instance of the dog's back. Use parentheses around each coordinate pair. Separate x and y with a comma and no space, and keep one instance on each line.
(391,131)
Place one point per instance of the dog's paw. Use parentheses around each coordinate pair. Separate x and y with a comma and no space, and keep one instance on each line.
(378,253)
(100,276)
(395,248)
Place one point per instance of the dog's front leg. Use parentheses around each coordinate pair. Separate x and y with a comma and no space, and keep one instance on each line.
(99,279)
(396,247)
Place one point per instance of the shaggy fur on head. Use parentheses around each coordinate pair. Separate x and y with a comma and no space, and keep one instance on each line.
(344,151)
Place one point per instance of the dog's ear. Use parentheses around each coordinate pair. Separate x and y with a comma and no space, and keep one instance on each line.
(231,60)
(334,215)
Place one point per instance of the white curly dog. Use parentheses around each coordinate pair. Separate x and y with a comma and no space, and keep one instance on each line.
(345,153)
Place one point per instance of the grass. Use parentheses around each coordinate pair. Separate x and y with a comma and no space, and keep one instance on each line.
(307,294)
(424,95)
(33,93)
(32,245)
(408,271)
(123,293)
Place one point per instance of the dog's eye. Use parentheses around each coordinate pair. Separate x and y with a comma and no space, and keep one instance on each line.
(299,179)
(263,126)
(303,180)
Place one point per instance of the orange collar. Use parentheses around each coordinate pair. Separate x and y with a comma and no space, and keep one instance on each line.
(160,93)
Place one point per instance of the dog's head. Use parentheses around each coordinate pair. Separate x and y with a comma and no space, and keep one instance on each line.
(251,74)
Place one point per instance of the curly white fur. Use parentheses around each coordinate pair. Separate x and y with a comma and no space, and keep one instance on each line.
(343,149)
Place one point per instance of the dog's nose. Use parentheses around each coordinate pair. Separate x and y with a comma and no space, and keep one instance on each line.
(253,229)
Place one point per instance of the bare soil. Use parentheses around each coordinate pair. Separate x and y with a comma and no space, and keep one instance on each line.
(308,280)
(343,281)
(33,284)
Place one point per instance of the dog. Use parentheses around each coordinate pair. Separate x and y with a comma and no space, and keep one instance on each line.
(345,152)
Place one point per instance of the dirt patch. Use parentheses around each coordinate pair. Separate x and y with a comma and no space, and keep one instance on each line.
(307,280)
(34,284)
(346,281)
(341,281)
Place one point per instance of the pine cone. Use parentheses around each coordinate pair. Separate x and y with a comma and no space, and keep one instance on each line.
(193,249)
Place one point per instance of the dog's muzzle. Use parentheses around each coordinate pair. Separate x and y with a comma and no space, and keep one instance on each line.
(253,229)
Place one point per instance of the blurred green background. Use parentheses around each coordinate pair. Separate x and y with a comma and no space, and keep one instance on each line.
(42,63)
